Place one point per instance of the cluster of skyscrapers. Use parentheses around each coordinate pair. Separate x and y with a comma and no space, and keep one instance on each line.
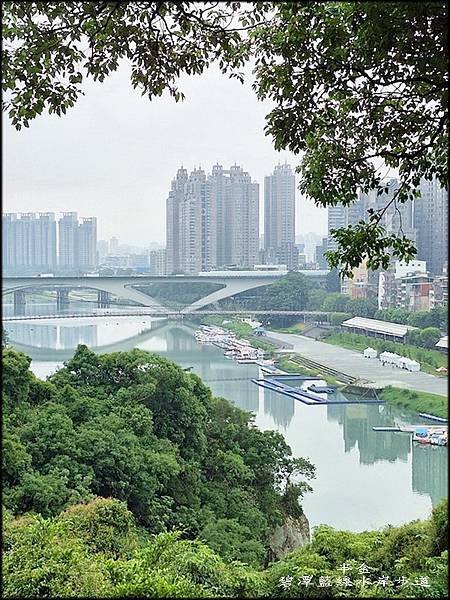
(32,243)
(424,221)
(213,220)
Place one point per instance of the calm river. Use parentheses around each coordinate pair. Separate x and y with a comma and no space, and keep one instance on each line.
(365,479)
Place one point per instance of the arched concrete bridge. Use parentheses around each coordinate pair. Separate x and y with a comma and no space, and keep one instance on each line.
(232,282)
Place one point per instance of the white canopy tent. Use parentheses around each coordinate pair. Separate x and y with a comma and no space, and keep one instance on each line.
(370,353)
(390,358)
(414,365)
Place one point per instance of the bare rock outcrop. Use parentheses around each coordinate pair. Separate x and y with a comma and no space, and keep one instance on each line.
(292,534)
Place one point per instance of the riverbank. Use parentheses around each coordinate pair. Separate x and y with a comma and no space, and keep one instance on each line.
(354,364)
(420,402)
(429,360)
(338,439)
(287,365)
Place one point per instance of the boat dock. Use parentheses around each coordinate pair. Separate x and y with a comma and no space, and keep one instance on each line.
(432,417)
(237,349)
(436,435)
(308,396)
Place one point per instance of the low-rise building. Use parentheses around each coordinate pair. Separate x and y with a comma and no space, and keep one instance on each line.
(439,289)
(405,286)
(364,283)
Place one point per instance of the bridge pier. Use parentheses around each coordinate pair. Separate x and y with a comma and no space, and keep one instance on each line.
(103,299)
(19,302)
(62,298)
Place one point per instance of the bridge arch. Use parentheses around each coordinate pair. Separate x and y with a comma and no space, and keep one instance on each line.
(232,282)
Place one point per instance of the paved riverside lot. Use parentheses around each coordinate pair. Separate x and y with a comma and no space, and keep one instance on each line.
(353,363)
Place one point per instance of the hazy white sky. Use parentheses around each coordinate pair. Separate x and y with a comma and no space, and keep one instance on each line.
(115,153)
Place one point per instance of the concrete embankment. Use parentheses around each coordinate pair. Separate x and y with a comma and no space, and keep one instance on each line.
(354,364)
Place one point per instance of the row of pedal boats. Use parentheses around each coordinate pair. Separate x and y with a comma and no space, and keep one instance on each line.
(238,349)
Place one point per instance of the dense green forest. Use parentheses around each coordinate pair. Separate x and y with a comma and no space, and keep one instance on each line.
(96,549)
(136,427)
(123,476)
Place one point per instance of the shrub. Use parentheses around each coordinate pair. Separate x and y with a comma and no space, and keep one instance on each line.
(338,318)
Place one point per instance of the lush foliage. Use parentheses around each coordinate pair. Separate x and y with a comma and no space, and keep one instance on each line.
(138,428)
(353,82)
(429,337)
(338,318)
(51,48)
(288,293)
(96,549)
(419,402)
(178,295)
(295,291)
(393,315)
(436,317)
(430,360)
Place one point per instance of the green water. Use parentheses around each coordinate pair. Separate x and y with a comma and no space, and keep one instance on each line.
(365,479)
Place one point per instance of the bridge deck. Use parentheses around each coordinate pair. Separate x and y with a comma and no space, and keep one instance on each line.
(162,313)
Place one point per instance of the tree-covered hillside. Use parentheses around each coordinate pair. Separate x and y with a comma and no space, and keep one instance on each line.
(96,550)
(136,427)
(124,477)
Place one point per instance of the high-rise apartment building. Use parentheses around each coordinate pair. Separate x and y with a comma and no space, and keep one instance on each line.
(7,240)
(175,198)
(102,250)
(342,216)
(279,215)
(212,221)
(45,240)
(219,193)
(87,243)
(319,257)
(193,223)
(157,262)
(113,245)
(77,242)
(431,224)
(68,240)
(17,241)
(243,218)
(398,217)
(29,242)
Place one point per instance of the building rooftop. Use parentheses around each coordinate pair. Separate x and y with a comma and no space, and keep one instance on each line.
(385,327)
(443,342)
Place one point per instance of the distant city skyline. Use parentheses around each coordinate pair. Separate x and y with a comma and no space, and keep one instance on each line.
(116,158)
(37,241)
(424,221)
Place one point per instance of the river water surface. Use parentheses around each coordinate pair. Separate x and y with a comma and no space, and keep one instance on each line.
(365,479)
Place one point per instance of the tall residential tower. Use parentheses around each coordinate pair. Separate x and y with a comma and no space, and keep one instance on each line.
(279,216)
(29,242)
(431,224)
